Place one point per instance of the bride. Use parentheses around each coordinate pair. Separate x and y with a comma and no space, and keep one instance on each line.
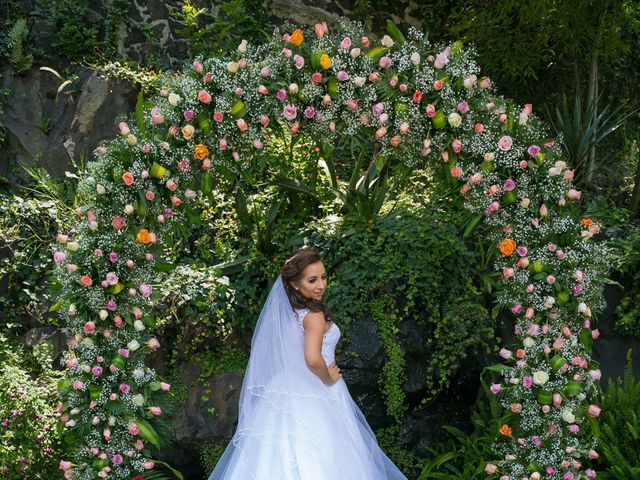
(297,420)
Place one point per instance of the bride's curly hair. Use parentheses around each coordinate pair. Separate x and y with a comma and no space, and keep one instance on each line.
(292,272)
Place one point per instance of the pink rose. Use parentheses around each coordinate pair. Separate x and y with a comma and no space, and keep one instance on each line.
(463,107)
(290,111)
(204,96)
(505,143)
(385,62)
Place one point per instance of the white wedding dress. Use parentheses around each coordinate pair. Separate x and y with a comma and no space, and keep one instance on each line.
(297,428)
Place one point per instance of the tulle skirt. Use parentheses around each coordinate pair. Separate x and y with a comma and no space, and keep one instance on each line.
(315,433)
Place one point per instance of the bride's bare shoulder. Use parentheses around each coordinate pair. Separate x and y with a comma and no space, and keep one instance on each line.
(313,321)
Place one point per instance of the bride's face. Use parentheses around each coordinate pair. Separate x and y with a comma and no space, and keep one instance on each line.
(313,282)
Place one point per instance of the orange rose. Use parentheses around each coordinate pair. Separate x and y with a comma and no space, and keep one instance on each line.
(505,430)
(520,353)
(201,152)
(144,236)
(507,247)
(586,222)
(296,37)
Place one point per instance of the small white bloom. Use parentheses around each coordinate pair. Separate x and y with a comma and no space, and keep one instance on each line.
(528,342)
(87,343)
(138,373)
(137,400)
(387,41)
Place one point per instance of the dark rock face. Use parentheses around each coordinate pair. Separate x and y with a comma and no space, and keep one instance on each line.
(51,129)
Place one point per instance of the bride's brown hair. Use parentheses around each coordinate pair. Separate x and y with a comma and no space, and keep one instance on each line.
(292,272)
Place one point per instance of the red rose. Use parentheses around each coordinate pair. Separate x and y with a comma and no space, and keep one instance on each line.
(417,96)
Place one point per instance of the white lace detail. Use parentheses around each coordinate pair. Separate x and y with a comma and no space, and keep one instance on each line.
(329,339)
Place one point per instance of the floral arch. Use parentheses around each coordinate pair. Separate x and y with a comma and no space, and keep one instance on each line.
(416,102)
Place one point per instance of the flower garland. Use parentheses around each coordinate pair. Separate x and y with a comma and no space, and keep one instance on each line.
(419,102)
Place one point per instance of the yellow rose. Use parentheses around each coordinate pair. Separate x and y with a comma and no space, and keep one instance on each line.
(325,61)
(188,131)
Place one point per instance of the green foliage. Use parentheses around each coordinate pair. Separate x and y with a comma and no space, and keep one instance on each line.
(619,439)
(81,33)
(28,225)
(210,453)
(18,59)
(210,33)
(393,370)
(463,456)
(584,127)
(390,440)
(30,444)
(626,260)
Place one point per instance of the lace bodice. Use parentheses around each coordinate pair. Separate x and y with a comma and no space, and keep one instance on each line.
(329,339)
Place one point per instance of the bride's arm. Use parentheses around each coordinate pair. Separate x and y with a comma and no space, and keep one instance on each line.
(314,331)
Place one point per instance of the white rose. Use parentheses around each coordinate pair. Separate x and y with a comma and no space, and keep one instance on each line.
(568,417)
(523,118)
(581,396)
(359,81)
(514,380)
(138,373)
(132,139)
(387,41)
(415,58)
(525,203)
(383,118)
(582,308)
(534,476)
(137,400)
(72,309)
(555,171)
(549,302)
(469,82)
(128,209)
(355,52)
(73,246)
(87,343)
(71,423)
(588,312)
(242,48)
(174,99)
(138,325)
(112,420)
(560,164)
(293,89)
(489,156)
(75,411)
(540,377)
(103,314)
(100,189)
(232,67)
(454,119)
(133,345)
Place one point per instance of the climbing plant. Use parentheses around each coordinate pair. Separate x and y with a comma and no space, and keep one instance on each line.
(401,103)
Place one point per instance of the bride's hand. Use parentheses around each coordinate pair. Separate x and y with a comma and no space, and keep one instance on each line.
(334,372)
